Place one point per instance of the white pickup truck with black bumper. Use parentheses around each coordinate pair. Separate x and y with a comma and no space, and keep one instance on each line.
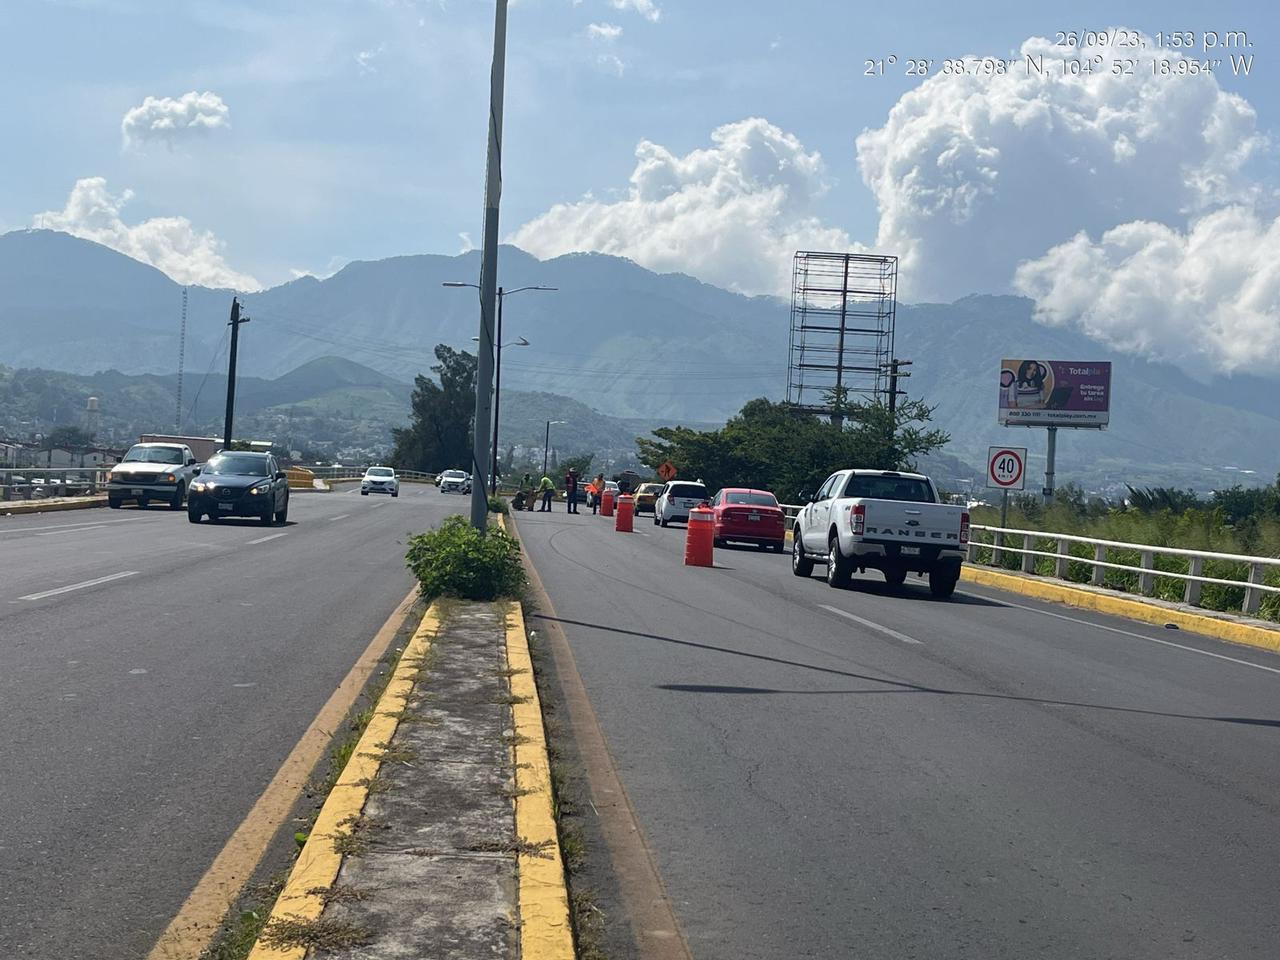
(152,471)
(881,520)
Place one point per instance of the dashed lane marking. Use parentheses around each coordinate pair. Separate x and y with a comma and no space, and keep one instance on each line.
(79,586)
(274,536)
(871,624)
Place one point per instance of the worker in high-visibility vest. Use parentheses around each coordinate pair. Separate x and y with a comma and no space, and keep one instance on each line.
(547,489)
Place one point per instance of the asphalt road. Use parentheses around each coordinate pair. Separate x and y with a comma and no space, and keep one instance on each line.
(142,715)
(855,773)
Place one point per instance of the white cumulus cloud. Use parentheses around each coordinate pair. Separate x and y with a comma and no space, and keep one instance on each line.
(646,8)
(606,32)
(1206,298)
(170,244)
(973,174)
(172,120)
(732,214)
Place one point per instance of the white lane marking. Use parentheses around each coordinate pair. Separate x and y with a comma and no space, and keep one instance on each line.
(341,516)
(138,672)
(67,526)
(1126,633)
(871,624)
(79,586)
(274,536)
(54,533)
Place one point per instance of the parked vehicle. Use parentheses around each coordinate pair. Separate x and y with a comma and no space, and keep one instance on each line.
(455,481)
(380,480)
(646,497)
(152,471)
(881,520)
(676,500)
(240,484)
(743,515)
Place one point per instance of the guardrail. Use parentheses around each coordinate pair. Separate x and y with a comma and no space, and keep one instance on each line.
(1098,557)
(347,473)
(39,483)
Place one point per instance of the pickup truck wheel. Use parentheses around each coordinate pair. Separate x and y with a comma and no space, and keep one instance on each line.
(942,581)
(895,577)
(839,570)
(176,502)
(801,565)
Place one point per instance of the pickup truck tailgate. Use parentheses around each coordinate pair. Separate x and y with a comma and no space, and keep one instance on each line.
(904,522)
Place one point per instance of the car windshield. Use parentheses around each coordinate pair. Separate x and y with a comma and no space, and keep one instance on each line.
(752,499)
(380,472)
(229,464)
(688,491)
(909,489)
(649,488)
(141,454)
(454,475)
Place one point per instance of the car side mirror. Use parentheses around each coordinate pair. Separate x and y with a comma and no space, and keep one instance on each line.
(281,475)
(196,471)
(805,496)
(191,462)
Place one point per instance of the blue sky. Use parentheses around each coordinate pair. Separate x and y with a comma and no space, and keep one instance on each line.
(354,129)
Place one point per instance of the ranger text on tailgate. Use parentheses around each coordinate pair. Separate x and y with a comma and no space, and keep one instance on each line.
(881,520)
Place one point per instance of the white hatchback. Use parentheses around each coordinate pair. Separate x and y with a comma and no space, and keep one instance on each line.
(380,480)
(676,500)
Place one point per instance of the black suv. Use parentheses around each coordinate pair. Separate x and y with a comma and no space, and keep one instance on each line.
(236,484)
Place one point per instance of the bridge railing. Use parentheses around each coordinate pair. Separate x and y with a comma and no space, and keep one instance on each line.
(1134,567)
(39,483)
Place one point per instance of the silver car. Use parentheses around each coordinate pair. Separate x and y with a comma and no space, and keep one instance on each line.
(380,480)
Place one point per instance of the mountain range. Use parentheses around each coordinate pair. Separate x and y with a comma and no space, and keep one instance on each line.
(629,344)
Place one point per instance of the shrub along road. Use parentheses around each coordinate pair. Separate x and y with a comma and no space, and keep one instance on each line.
(155,676)
(827,773)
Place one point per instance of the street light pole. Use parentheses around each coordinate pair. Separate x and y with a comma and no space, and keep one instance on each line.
(546,445)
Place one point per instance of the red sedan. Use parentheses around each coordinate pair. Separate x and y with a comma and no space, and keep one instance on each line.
(749,516)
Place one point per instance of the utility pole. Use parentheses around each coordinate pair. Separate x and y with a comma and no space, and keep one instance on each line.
(489,274)
(234,324)
(895,372)
(182,350)
(497,401)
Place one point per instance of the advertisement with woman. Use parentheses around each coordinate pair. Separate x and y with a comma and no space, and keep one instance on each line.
(1055,393)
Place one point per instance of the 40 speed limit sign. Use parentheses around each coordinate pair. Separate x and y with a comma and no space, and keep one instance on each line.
(1007,467)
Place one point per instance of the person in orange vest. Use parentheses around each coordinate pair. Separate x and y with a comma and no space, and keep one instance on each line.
(597,491)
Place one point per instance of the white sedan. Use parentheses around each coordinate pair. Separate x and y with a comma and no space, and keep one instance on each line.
(380,480)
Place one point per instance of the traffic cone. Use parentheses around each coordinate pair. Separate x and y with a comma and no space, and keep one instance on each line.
(699,543)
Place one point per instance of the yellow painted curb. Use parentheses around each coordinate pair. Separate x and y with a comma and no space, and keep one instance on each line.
(317,866)
(1133,609)
(545,929)
(19,507)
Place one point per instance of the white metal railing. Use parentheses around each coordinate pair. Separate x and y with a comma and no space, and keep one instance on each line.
(39,483)
(1194,578)
(355,473)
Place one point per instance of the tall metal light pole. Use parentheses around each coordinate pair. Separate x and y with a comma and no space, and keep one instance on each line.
(489,271)
(497,387)
(546,445)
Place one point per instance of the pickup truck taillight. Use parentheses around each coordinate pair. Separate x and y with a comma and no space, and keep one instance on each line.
(858,519)
(964,528)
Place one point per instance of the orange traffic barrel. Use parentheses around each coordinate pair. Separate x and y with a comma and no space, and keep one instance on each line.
(606,504)
(626,513)
(699,543)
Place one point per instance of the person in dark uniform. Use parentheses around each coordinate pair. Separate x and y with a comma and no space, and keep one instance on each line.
(571,490)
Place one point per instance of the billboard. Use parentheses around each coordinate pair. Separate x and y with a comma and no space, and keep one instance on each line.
(1055,393)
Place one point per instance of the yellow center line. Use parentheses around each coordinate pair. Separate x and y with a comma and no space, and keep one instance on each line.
(193,929)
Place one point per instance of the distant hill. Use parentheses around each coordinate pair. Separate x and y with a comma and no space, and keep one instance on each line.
(633,347)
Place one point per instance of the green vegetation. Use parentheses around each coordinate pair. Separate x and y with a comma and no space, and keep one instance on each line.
(458,560)
(777,447)
(440,435)
(1241,520)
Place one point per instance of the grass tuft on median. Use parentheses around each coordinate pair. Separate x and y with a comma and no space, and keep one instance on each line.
(457,560)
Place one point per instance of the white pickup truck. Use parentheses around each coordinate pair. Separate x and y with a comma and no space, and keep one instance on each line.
(881,520)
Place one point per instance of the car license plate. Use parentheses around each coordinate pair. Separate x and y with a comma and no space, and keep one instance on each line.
(135,492)
(225,506)
(911,551)
(754,517)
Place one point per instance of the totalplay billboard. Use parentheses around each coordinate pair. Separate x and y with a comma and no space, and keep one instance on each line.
(1055,393)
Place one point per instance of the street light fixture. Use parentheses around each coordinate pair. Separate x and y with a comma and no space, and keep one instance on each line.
(497,376)
(546,445)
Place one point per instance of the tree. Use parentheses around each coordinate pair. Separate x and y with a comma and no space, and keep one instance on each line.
(68,438)
(581,463)
(440,435)
(778,447)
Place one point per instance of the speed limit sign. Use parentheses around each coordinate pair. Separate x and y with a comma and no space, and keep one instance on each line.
(1007,467)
